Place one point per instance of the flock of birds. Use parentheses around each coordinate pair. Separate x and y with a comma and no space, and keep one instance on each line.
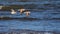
(21,12)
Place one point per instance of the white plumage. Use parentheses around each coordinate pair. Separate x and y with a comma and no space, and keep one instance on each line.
(13,11)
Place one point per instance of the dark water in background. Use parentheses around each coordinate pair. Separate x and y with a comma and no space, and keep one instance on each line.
(44,18)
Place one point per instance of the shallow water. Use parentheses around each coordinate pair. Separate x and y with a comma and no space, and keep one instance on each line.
(40,24)
(44,18)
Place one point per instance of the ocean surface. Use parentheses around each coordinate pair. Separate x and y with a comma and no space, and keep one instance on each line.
(47,19)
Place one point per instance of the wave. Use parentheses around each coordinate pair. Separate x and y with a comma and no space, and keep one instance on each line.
(21,18)
(27,18)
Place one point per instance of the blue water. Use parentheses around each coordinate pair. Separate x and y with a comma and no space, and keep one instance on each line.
(44,24)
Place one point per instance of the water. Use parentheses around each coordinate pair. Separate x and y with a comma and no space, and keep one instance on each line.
(42,19)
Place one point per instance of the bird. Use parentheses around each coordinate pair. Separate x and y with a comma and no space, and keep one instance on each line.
(21,11)
(27,13)
(13,11)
